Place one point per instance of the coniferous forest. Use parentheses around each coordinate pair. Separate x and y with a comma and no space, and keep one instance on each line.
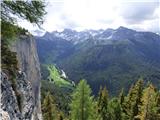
(141,102)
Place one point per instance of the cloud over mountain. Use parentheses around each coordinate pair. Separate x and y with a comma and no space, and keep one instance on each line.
(102,14)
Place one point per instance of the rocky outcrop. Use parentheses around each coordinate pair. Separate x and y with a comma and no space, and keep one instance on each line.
(16,105)
(27,56)
(23,102)
(4,115)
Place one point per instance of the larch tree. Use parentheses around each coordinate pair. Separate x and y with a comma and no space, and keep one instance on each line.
(82,105)
(103,103)
(133,101)
(49,108)
(114,109)
(158,104)
(121,97)
(148,108)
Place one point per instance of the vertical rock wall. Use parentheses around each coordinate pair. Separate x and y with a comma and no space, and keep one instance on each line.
(27,56)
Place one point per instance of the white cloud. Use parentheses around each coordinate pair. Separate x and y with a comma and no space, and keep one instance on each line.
(97,14)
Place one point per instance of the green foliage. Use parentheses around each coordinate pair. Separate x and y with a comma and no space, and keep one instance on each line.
(33,11)
(114,110)
(60,87)
(9,61)
(158,102)
(148,109)
(49,108)
(141,103)
(121,97)
(103,103)
(121,66)
(57,78)
(133,100)
(44,71)
(62,95)
(9,30)
(82,105)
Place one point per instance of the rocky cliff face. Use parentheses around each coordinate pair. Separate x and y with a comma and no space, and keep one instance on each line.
(19,104)
(27,105)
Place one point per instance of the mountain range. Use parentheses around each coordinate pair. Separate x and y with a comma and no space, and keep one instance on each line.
(114,58)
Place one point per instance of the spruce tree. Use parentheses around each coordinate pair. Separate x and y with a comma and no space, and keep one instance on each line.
(122,103)
(82,105)
(33,11)
(148,107)
(114,109)
(49,108)
(103,103)
(158,104)
(133,101)
(121,97)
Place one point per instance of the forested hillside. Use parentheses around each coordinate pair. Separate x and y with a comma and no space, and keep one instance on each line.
(140,103)
(62,99)
(115,58)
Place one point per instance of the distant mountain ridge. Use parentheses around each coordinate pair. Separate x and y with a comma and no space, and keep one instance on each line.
(111,57)
(76,37)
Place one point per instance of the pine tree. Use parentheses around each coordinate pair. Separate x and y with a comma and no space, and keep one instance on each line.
(49,108)
(82,105)
(158,104)
(121,97)
(133,101)
(122,103)
(60,116)
(103,103)
(33,11)
(114,109)
(148,107)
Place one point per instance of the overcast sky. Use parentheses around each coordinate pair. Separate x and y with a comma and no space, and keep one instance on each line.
(100,14)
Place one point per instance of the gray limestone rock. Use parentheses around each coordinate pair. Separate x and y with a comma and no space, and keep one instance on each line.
(23,101)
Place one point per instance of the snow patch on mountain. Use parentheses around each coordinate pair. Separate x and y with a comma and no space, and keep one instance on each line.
(99,36)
